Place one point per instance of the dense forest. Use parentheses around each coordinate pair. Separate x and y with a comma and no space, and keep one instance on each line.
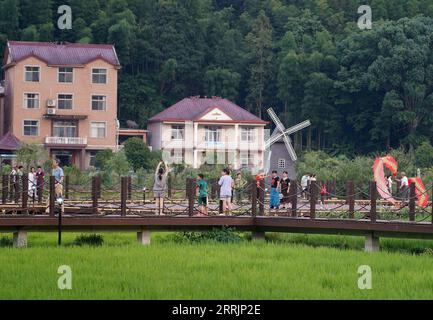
(364,90)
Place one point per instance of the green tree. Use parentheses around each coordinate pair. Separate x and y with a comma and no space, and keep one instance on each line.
(139,154)
(103,158)
(259,41)
(31,154)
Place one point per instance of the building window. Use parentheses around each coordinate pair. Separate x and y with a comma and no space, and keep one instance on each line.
(31,100)
(98,130)
(245,159)
(212,134)
(31,127)
(99,103)
(99,75)
(93,154)
(66,75)
(281,163)
(247,135)
(177,132)
(177,156)
(65,129)
(64,101)
(32,74)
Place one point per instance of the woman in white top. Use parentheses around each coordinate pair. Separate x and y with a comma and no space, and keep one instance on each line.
(389,184)
(404,187)
(32,182)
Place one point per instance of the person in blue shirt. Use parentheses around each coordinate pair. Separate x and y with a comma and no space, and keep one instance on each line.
(58,178)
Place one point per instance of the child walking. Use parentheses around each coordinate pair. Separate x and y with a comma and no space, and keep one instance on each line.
(202,193)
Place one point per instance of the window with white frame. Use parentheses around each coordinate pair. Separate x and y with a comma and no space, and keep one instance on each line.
(98,129)
(31,100)
(66,75)
(212,134)
(177,155)
(247,134)
(281,164)
(65,128)
(245,159)
(99,103)
(99,75)
(64,101)
(31,127)
(177,132)
(31,73)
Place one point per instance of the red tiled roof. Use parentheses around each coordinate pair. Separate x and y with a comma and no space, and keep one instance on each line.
(69,54)
(193,108)
(9,142)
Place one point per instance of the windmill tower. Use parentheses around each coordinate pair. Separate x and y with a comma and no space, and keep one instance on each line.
(282,156)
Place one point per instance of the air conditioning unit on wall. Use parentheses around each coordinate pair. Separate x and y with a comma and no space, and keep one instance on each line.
(51,111)
(51,103)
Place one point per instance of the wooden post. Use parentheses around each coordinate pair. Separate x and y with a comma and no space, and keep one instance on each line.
(129,187)
(11,189)
(99,186)
(191,194)
(412,196)
(95,195)
(123,195)
(66,187)
(25,193)
(253,192)
(52,195)
(262,198)
(350,193)
(313,199)
(293,197)
(17,189)
(432,205)
(5,188)
(373,198)
(214,189)
(40,187)
(169,186)
(220,202)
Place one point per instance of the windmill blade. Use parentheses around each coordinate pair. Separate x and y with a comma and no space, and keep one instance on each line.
(298,127)
(291,130)
(289,147)
(275,119)
(273,139)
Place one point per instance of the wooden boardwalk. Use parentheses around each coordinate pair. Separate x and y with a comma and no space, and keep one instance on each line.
(371,217)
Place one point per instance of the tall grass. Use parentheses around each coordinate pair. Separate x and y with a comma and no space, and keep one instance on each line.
(285,267)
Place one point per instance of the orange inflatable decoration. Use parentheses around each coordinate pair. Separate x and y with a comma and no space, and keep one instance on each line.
(420,192)
(379,176)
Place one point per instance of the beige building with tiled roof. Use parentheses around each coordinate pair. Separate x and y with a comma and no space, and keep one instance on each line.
(197,131)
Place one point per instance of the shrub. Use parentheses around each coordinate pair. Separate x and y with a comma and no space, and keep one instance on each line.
(6,242)
(89,240)
(223,234)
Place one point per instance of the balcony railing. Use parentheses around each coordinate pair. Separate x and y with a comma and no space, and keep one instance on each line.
(66,140)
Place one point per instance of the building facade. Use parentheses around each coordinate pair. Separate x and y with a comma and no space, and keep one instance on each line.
(63,96)
(197,131)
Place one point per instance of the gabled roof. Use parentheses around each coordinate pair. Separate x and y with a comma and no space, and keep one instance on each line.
(9,142)
(194,108)
(67,54)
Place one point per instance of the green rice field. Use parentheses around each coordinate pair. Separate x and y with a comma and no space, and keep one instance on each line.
(284,267)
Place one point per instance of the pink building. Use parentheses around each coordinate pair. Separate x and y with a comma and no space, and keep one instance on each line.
(63,96)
